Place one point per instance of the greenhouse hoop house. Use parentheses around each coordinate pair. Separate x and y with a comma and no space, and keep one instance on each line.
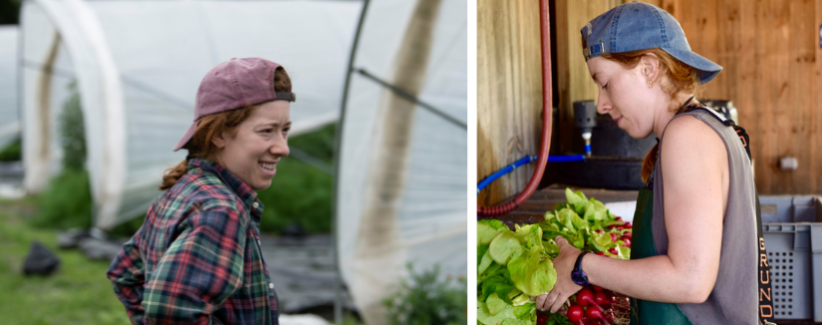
(137,66)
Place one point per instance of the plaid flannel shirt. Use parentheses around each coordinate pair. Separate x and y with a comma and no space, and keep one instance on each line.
(197,257)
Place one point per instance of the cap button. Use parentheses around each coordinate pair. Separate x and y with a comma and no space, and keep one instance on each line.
(255,205)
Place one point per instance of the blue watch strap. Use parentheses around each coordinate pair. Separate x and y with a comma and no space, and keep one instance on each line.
(578,275)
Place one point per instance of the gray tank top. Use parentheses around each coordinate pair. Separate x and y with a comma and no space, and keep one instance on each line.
(734,297)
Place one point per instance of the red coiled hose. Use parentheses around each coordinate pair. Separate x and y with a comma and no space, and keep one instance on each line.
(545,33)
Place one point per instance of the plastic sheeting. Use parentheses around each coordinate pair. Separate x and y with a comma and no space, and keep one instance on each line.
(396,206)
(9,119)
(138,64)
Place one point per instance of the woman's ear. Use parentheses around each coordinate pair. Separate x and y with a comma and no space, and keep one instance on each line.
(649,67)
(219,139)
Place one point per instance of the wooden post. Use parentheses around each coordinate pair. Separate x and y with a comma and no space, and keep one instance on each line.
(509,93)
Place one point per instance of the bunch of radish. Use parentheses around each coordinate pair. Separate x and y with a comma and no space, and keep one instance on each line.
(516,264)
(626,235)
(594,305)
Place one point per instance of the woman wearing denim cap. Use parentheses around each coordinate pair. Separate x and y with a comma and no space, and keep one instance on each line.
(197,257)
(695,250)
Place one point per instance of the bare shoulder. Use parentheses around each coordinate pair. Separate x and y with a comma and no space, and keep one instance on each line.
(688,138)
(694,162)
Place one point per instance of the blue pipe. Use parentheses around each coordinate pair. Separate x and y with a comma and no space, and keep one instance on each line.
(567,158)
(505,170)
(524,160)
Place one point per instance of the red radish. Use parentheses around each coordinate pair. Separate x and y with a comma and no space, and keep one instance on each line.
(597,288)
(613,237)
(542,319)
(585,297)
(627,242)
(602,299)
(628,235)
(618,219)
(600,253)
(591,321)
(594,313)
(628,225)
(575,313)
(599,231)
(613,250)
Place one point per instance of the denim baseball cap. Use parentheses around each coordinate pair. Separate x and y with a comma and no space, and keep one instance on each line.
(234,84)
(639,26)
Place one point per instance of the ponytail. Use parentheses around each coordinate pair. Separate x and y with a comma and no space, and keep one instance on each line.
(649,162)
(172,175)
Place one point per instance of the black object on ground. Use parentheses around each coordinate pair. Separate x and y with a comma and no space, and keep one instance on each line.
(40,260)
(98,249)
(71,238)
(294,230)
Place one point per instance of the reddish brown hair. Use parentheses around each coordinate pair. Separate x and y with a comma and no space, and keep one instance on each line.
(200,145)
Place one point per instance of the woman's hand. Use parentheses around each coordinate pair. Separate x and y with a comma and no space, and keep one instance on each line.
(565,287)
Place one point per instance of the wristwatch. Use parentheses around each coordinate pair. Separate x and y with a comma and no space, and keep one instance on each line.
(578,275)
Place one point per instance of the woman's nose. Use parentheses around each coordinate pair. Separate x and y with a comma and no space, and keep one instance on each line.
(603,104)
(280,147)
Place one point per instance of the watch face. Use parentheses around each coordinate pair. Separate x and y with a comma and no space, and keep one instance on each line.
(579,279)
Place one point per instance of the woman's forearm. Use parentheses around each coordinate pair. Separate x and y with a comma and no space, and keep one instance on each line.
(654,278)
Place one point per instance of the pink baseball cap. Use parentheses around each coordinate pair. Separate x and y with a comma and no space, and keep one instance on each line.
(235,84)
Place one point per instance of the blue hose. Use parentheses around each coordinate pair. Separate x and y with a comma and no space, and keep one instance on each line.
(524,160)
(505,170)
(568,158)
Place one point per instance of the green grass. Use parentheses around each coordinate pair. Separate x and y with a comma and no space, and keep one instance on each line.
(78,293)
(66,203)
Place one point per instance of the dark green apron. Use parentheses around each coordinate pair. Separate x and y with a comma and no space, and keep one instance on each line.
(645,312)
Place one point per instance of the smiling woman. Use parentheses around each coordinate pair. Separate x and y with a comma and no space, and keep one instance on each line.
(197,257)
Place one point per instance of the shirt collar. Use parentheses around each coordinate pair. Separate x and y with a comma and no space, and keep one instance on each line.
(246,194)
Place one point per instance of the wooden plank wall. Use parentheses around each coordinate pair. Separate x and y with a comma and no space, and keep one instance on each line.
(770,52)
(509,95)
(769,49)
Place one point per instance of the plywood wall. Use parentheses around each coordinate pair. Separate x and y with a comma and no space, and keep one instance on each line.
(509,96)
(770,52)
